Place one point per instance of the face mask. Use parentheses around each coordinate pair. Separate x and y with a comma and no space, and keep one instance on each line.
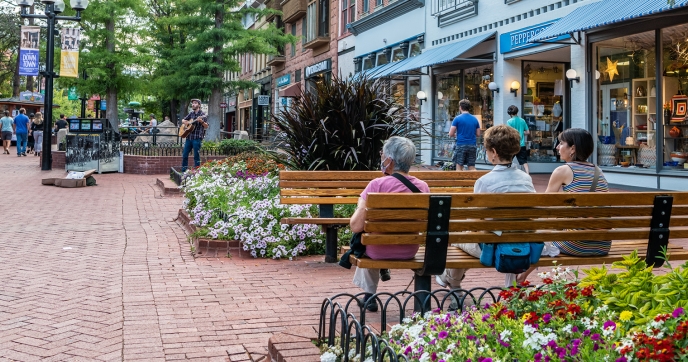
(383,168)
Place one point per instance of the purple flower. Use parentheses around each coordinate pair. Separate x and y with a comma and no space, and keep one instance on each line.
(538,357)
(609,324)
(488,359)
(408,350)
(552,344)
(443,335)
(621,359)
(595,347)
(547,317)
(486,317)
(576,342)
(586,332)
(471,338)
(433,356)
(574,329)
(432,342)
(595,337)
(504,343)
(678,312)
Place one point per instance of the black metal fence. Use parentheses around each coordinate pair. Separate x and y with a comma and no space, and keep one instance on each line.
(337,318)
(165,150)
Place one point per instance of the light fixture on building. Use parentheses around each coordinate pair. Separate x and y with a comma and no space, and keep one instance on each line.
(493,87)
(515,86)
(571,75)
(421,97)
(597,74)
(440,95)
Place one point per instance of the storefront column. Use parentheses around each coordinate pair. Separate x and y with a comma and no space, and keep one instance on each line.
(579,110)
(426,114)
(511,70)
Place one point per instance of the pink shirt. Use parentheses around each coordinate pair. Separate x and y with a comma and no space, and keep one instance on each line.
(391,184)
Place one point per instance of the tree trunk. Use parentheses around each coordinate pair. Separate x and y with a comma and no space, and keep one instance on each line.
(174,112)
(111,91)
(214,110)
(29,79)
(16,80)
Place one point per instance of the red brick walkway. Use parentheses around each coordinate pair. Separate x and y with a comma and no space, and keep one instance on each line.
(105,273)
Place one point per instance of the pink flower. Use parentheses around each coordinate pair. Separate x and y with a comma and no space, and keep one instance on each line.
(678,312)
(443,335)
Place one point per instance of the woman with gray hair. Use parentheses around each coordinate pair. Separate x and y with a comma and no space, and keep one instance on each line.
(398,154)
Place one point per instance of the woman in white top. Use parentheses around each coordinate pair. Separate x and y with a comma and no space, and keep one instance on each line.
(501,143)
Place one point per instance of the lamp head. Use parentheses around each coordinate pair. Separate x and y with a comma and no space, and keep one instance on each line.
(25,2)
(421,97)
(59,6)
(515,86)
(493,87)
(78,5)
(572,75)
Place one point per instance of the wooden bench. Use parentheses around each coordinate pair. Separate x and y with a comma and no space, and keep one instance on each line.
(437,221)
(329,188)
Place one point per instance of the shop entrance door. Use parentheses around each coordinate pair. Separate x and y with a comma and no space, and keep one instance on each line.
(615,110)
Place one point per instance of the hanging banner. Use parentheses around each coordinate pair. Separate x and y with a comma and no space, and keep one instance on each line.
(69,58)
(72,95)
(28,50)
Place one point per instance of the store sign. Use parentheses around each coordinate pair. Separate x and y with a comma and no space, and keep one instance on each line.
(103,105)
(223,105)
(317,68)
(284,80)
(263,100)
(520,39)
(30,96)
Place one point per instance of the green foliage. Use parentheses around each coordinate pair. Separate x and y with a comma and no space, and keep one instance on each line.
(67,107)
(342,125)
(637,289)
(230,147)
(9,43)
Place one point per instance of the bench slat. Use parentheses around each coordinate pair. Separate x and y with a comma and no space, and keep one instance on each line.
(488,237)
(322,184)
(535,212)
(516,225)
(315,221)
(457,258)
(381,201)
(357,192)
(319,200)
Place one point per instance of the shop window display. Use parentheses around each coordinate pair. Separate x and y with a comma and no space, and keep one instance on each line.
(543,108)
(636,115)
(449,93)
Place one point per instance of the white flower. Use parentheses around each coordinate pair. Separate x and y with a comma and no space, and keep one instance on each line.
(328,357)
(504,336)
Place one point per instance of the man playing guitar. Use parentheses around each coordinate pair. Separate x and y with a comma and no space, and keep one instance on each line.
(194,139)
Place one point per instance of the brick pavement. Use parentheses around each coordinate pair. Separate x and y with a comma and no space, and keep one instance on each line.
(109,276)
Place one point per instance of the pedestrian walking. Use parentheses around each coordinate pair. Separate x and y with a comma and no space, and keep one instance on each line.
(20,127)
(37,131)
(521,126)
(466,129)
(29,141)
(199,121)
(6,123)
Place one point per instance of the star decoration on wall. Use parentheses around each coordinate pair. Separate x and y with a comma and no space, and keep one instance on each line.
(611,69)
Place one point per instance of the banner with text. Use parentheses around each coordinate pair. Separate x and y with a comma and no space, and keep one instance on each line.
(69,58)
(28,50)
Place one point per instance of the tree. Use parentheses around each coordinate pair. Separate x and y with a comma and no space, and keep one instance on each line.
(214,38)
(9,47)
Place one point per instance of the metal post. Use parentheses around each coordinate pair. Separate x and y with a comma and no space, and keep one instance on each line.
(83,107)
(46,154)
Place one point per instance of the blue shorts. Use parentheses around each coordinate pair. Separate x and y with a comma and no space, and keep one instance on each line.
(464,155)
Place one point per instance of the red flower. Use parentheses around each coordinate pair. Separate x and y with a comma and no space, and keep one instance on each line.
(547,281)
(573,309)
(587,291)
(571,293)
(525,283)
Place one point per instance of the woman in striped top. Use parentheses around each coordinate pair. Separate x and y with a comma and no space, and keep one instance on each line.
(577,175)
(575,146)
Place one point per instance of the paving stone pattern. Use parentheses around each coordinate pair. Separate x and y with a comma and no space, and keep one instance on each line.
(106,273)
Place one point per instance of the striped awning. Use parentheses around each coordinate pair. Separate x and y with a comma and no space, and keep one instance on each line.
(604,13)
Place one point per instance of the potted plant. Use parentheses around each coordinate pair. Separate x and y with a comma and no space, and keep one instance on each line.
(667,112)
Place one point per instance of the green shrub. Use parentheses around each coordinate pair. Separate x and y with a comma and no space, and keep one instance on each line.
(231,147)
(342,124)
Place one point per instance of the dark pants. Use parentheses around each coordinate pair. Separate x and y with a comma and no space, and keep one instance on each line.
(196,145)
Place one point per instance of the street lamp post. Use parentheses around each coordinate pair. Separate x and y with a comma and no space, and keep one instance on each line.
(52,9)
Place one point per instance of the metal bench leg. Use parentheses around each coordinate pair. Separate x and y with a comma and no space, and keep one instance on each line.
(422,283)
(327,211)
(331,245)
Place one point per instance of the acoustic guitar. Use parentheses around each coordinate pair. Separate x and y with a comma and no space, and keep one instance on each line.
(187,129)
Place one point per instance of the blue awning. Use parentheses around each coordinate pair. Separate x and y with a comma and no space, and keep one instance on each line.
(605,12)
(443,54)
(428,58)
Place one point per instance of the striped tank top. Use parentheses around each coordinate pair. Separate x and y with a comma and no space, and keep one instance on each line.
(583,175)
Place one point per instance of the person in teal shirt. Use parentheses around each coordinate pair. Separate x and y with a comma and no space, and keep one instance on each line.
(521,126)
(6,123)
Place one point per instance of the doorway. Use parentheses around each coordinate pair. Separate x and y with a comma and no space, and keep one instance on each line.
(614,110)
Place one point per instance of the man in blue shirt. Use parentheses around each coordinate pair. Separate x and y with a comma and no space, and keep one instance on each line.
(21,129)
(466,128)
(194,140)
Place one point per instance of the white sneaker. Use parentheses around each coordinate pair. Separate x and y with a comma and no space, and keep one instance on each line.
(442,283)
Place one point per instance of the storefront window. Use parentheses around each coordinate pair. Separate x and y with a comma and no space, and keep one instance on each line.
(675,86)
(626,100)
(415,50)
(368,63)
(447,100)
(397,54)
(382,59)
(543,108)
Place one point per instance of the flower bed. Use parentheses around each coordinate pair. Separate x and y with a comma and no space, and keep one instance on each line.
(238,199)
(631,316)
